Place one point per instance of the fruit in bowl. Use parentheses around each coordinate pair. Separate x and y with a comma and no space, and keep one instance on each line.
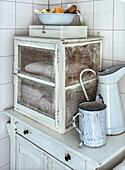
(57,16)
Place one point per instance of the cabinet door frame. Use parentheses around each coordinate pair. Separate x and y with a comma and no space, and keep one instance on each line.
(34,152)
(78,84)
(45,120)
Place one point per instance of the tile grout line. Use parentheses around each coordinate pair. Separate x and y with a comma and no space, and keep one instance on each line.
(6,56)
(33,12)
(77,16)
(6,83)
(113,36)
(18,2)
(15,16)
(5,165)
(4,138)
(93,17)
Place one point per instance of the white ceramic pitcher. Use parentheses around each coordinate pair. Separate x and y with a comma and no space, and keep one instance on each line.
(92,120)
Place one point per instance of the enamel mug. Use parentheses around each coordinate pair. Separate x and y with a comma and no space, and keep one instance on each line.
(92,119)
(92,124)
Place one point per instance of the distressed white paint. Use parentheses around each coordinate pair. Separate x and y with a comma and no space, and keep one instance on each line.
(59,145)
(59,123)
(58,31)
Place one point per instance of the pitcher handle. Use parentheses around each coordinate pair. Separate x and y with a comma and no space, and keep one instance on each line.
(87,98)
(74,123)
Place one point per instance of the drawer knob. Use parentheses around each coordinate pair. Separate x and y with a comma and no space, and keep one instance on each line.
(43,32)
(26,132)
(67,157)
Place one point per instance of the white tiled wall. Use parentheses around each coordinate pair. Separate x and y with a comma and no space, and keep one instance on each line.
(103,17)
(15,17)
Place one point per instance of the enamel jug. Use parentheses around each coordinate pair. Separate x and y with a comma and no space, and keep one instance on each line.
(92,120)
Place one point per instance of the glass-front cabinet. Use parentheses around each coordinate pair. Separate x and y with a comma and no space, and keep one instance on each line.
(46,78)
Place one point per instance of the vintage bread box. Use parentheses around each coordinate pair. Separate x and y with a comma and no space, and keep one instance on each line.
(46,78)
(61,32)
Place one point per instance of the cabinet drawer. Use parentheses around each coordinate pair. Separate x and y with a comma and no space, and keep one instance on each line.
(54,148)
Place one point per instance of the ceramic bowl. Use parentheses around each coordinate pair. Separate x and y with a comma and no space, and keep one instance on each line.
(56,18)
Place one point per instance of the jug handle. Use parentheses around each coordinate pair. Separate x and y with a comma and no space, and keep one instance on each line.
(74,124)
(87,98)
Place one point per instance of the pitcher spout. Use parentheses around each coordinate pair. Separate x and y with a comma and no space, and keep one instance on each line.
(111,75)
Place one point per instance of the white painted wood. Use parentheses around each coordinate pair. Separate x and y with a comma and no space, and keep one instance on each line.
(62,89)
(35,79)
(29,156)
(56,60)
(77,85)
(59,46)
(81,44)
(105,157)
(58,31)
(55,41)
(11,130)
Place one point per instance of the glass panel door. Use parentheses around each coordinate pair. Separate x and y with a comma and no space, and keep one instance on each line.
(36,96)
(36,62)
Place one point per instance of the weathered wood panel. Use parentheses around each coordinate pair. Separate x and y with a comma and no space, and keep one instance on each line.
(79,58)
(74,96)
(36,61)
(36,96)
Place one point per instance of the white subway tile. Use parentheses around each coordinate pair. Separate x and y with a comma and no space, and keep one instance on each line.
(22,32)
(9,0)
(123,102)
(106,64)
(86,9)
(6,96)
(119,14)
(116,63)
(103,14)
(69,1)
(107,43)
(24,15)
(54,6)
(56,2)
(4,151)
(90,33)
(44,2)
(6,167)
(7,14)
(6,42)
(3,122)
(25,1)
(6,69)
(83,1)
(119,45)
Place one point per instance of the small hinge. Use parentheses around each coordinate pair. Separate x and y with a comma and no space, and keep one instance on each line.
(57,120)
(57,116)
(57,59)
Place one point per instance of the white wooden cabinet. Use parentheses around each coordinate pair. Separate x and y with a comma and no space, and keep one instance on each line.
(31,157)
(34,147)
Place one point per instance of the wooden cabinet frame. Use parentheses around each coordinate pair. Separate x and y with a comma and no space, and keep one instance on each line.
(59,46)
